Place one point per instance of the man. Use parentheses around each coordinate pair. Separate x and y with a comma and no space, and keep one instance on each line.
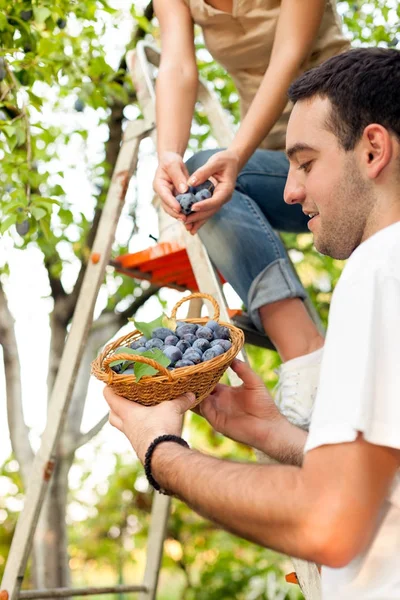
(336,501)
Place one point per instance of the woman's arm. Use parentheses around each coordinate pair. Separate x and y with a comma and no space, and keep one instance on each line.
(297,28)
(176,91)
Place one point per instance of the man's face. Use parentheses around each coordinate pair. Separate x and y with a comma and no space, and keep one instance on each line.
(326,181)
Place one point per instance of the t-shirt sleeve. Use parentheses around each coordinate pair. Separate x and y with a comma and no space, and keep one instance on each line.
(359,388)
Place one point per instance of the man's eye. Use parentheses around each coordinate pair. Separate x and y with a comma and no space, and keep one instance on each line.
(305,166)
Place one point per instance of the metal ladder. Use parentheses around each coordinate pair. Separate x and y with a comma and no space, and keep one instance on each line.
(142,63)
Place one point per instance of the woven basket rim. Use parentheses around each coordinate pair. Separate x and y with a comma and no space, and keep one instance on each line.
(153,389)
(99,371)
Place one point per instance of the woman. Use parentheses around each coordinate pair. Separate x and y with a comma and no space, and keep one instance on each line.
(264,45)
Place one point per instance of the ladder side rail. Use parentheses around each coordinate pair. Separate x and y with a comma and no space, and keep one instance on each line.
(160,510)
(45,458)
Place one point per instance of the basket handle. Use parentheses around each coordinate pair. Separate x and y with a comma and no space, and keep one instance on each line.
(197,295)
(136,358)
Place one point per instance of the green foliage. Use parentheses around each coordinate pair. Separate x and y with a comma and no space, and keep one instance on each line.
(372,23)
(202,560)
(147,328)
(42,61)
(50,63)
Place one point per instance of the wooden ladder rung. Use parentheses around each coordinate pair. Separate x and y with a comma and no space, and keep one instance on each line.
(65,592)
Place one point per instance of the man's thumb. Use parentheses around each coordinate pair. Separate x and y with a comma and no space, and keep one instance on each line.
(185,402)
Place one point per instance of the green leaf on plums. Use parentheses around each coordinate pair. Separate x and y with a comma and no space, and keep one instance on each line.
(122,350)
(168,323)
(142,369)
(148,328)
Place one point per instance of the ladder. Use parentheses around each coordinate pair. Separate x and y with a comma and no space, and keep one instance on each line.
(142,64)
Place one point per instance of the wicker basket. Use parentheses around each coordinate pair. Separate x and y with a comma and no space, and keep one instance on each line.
(199,379)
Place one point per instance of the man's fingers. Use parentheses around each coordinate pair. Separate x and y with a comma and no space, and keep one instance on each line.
(185,402)
(117,403)
(245,373)
(115,421)
(110,396)
(208,410)
(220,387)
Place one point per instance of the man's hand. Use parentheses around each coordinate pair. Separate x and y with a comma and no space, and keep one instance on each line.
(142,424)
(248,414)
(245,413)
(223,168)
(171,176)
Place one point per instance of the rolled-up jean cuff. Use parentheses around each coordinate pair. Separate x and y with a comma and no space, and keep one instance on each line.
(276,282)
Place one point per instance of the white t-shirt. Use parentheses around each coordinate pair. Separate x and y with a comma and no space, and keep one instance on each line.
(359,391)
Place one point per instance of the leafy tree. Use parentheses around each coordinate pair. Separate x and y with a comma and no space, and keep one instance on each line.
(52,63)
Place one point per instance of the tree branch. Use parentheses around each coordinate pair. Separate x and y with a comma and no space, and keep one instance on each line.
(86,437)
(19,432)
(138,302)
(101,331)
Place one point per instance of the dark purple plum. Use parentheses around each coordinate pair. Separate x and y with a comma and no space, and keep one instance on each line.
(202,344)
(183,345)
(161,333)
(184,363)
(222,333)
(154,343)
(212,325)
(207,185)
(226,344)
(185,329)
(171,340)
(202,195)
(173,353)
(192,355)
(186,202)
(206,333)
(212,353)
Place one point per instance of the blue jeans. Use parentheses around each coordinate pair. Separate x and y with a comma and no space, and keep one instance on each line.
(241,237)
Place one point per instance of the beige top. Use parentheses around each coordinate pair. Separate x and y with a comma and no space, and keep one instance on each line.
(242,43)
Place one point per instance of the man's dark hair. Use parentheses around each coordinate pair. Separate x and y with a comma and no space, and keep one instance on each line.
(363,86)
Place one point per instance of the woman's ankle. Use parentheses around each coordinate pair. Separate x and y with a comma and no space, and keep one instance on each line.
(290,328)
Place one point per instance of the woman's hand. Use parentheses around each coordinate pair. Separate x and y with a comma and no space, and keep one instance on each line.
(171,176)
(223,169)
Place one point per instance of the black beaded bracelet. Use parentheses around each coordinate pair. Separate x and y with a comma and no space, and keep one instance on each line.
(149,454)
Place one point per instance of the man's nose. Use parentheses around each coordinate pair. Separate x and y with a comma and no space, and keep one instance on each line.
(294,192)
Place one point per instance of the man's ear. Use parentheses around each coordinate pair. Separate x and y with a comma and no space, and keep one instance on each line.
(376,147)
